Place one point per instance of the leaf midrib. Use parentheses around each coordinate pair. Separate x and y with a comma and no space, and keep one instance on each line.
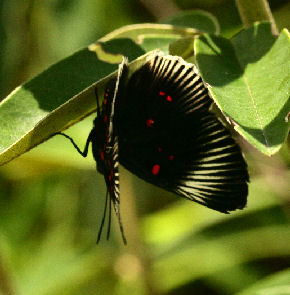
(252,97)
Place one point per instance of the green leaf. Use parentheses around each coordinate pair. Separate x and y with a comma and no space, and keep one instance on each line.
(152,36)
(139,32)
(197,19)
(182,47)
(276,284)
(63,94)
(207,254)
(58,97)
(249,79)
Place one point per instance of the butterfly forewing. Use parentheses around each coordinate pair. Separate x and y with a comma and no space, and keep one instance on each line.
(168,137)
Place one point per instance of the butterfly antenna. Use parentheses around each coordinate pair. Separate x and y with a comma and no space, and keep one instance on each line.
(122,231)
(121,226)
(103,219)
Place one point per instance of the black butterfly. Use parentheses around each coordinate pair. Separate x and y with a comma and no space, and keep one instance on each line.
(157,123)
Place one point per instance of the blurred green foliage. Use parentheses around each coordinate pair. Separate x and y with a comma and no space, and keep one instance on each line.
(51,200)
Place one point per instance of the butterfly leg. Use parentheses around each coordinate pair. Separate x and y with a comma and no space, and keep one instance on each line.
(84,153)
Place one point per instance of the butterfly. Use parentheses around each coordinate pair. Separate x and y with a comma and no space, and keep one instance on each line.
(157,123)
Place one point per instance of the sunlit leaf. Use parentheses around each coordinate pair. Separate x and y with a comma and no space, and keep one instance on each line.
(206,255)
(63,94)
(276,284)
(57,98)
(139,32)
(249,79)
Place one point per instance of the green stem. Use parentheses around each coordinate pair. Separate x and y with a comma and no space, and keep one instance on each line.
(5,284)
(135,245)
(256,10)
(161,8)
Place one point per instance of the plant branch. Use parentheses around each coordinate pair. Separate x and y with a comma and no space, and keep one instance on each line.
(136,249)
(5,283)
(256,10)
(161,8)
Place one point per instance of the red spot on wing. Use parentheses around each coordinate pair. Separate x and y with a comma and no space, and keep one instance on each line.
(105,119)
(155,169)
(111,174)
(105,101)
(160,149)
(169,98)
(102,155)
(149,122)
(171,157)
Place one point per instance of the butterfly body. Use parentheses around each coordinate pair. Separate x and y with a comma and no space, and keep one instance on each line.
(105,152)
(104,142)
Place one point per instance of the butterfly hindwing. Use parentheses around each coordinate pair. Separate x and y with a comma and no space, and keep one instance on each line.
(168,137)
